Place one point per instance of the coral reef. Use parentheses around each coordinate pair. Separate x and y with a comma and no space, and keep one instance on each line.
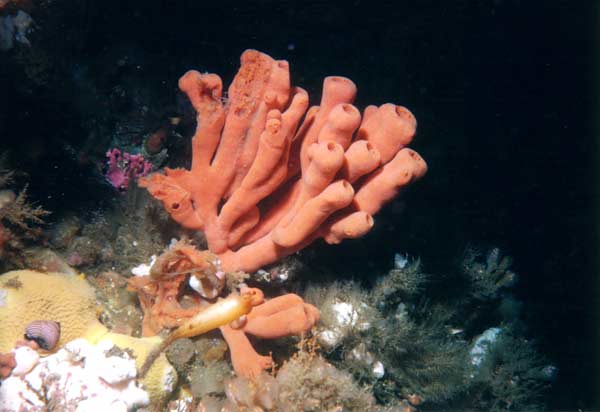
(305,383)
(161,290)
(114,238)
(268,176)
(69,299)
(32,295)
(263,186)
(432,351)
(236,316)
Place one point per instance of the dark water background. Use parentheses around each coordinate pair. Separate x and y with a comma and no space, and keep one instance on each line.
(503,92)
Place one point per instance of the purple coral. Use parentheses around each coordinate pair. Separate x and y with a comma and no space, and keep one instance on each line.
(124,167)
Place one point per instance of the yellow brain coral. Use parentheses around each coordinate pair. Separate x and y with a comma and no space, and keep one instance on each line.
(26,295)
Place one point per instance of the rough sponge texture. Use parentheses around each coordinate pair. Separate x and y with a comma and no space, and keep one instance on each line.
(26,295)
(269,175)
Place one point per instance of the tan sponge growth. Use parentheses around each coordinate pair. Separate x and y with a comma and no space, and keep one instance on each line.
(27,295)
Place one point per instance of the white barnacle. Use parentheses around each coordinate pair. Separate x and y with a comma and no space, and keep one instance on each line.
(144,269)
